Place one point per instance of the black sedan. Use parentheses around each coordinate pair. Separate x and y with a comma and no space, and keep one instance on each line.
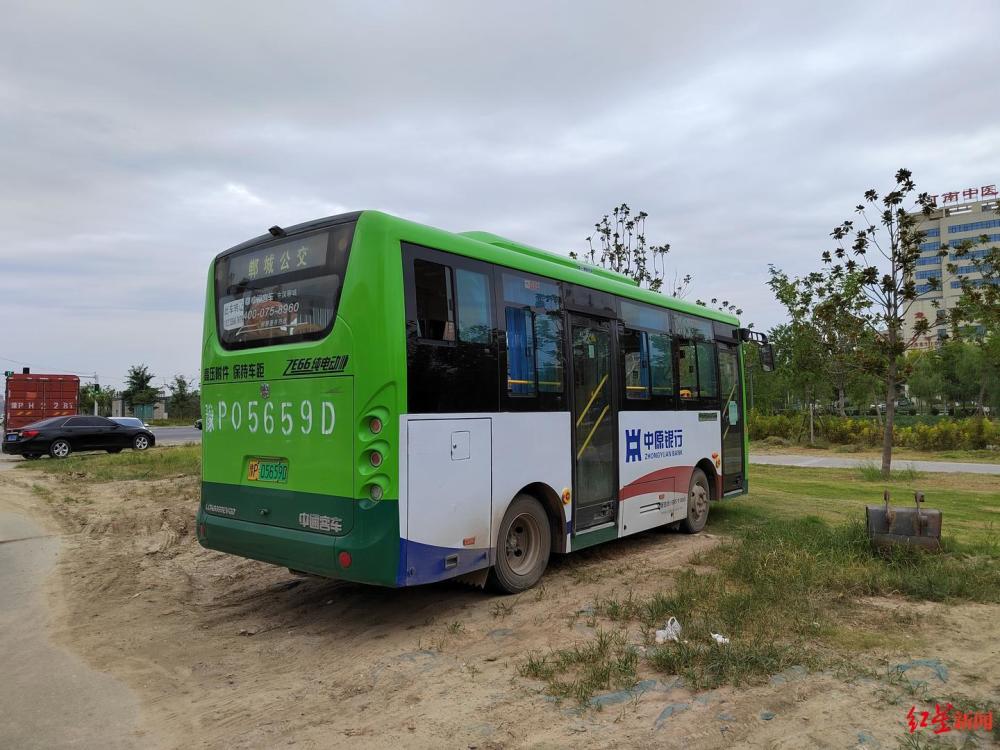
(60,436)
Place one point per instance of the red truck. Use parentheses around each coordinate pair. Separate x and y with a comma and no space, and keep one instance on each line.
(29,398)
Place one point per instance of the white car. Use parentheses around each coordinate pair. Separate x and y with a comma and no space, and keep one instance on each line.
(130,422)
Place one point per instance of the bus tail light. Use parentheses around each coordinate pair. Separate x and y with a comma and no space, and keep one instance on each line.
(345,559)
(375,425)
(375,493)
(375,458)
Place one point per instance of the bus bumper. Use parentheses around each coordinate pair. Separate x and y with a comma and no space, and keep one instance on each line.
(373,559)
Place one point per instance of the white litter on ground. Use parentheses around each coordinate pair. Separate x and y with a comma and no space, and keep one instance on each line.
(720,639)
(670,632)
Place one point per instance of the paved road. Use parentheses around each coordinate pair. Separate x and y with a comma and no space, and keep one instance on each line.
(176,435)
(49,698)
(838,462)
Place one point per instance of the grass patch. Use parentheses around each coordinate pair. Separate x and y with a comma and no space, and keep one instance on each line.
(871,472)
(785,592)
(969,503)
(607,662)
(155,463)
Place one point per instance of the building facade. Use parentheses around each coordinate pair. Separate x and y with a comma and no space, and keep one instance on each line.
(960,216)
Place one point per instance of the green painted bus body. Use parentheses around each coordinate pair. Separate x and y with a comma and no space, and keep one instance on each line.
(330,474)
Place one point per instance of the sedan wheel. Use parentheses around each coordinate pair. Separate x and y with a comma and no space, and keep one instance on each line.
(60,448)
(140,443)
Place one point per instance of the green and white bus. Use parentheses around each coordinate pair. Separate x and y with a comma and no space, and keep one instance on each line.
(394,404)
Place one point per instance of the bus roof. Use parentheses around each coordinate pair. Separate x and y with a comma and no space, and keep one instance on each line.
(505,252)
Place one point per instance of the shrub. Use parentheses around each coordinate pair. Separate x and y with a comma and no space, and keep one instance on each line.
(970,433)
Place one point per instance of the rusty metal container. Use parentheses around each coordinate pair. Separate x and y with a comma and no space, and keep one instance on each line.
(890,526)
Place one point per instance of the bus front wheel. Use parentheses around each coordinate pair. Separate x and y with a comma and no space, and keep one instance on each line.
(523,546)
(698,498)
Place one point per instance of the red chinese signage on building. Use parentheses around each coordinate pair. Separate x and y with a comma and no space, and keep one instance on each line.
(969,194)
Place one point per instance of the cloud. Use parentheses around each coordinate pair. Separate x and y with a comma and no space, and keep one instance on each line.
(138,141)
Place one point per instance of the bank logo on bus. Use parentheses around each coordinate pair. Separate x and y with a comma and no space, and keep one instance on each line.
(657,444)
(270,417)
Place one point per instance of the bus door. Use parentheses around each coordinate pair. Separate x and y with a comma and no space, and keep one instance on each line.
(594,419)
(732,418)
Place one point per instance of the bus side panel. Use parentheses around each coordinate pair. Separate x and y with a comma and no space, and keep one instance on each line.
(531,447)
(658,451)
(459,473)
(448,490)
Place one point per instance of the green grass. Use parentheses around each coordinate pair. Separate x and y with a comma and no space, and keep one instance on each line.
(609,661)
(784,586)
(969,503)
(872,472)
(155,463)
(172,422)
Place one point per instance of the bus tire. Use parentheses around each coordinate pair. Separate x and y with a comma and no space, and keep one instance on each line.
(523,547)
(698,500)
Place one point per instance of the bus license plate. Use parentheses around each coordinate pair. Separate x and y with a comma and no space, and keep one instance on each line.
(267,470)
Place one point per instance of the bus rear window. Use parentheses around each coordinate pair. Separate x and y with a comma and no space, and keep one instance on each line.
(283,291)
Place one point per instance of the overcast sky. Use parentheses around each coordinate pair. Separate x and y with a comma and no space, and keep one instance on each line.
(137,140)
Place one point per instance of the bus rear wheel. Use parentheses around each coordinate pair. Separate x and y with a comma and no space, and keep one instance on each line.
(698,499)
(523,547)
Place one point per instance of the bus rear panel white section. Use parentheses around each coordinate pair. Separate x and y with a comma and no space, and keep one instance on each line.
(657,451)
(458,474)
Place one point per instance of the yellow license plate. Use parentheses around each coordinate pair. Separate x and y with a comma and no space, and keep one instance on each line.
(267,470)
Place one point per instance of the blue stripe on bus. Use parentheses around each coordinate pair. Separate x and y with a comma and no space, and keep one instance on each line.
(424,563)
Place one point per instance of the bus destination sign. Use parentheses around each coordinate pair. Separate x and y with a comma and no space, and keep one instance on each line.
(276,260)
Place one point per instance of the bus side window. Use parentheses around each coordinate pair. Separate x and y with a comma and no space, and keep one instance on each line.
(661,364)
(533,318)
(688,371)
(435,301)
(549,364)
(520,351)
(475,309)
(708,382)
(635,351)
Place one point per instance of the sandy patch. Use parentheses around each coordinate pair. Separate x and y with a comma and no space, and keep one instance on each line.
(230,652)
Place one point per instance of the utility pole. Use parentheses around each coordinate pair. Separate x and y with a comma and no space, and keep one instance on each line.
(97,393)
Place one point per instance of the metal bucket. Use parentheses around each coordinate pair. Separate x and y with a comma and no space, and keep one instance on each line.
(909,527)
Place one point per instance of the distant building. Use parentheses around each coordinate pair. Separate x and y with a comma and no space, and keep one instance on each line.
(155,410)
(960,216)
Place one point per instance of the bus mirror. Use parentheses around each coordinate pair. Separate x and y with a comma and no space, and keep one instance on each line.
(767,358)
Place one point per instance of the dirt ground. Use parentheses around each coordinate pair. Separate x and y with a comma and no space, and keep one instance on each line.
(226,652)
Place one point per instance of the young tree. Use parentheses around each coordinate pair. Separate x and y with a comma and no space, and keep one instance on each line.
(622,247)
(137,386)
(183,399)
(836,330)
(91,392)
(881,252)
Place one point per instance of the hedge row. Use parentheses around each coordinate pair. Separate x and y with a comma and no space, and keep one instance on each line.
(971,433)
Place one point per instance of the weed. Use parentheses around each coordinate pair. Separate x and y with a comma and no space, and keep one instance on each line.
(606,662)
(501,609)
(870,472)
(613,609)
(42,491)
(454,628)
(157,463)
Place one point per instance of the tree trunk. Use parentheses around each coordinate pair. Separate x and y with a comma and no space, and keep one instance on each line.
(812,429)
(840,402)
(982,398)
(890,418)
